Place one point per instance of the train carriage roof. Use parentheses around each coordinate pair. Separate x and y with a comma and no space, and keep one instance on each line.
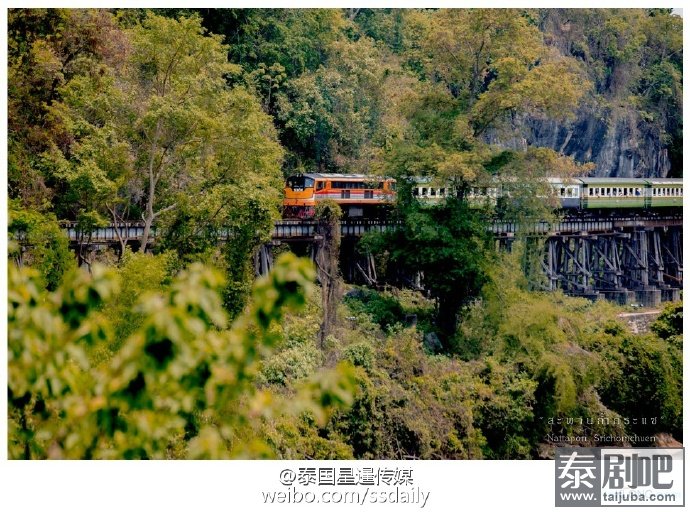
(666,181)
(321,175)
(614,181)
(631,181)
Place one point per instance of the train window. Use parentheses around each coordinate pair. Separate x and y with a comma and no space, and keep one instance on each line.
(320,185)
(442,192)
(299,182)
(348,184)
(562,192)
(615,192)
(415,191)
(392,185)
(680,192)
(432,191)
(625,191)
(424,191)
(638,191)
(654,192)
(345,194)
(368,194)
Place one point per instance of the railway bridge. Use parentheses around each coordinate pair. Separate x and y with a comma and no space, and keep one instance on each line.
(629,259)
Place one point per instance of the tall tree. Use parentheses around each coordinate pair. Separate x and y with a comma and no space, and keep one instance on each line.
(171,127)
(46,49)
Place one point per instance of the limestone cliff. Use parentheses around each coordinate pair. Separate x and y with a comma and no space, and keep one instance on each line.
(616,140)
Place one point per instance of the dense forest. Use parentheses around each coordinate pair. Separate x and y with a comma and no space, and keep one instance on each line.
(189,120)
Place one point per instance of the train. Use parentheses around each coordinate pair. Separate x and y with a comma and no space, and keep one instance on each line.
(357,194)
(364,196)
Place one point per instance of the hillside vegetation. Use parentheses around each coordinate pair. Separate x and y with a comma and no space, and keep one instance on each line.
(189,120)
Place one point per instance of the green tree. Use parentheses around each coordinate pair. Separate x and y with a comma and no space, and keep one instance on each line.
(46,49)
(168,126)
(181,385)
(37,241)
(337,117)
(449,246)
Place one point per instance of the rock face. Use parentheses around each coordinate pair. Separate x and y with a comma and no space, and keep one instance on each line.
(617,141)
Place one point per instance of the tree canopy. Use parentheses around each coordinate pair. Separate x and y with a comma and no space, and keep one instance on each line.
(188,120)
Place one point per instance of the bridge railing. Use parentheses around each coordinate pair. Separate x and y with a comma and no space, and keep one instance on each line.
(127,230)
(306,229)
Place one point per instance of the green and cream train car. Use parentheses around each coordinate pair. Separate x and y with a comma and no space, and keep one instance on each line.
(617,193)
(574,193)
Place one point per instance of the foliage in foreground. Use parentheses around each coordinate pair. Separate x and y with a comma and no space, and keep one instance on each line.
(181,385)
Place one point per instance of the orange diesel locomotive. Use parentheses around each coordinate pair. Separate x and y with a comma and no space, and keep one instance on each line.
(358,195)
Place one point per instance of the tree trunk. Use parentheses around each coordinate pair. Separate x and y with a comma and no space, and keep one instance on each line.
(447,319)
(148,222)
(327,264)
(150,216)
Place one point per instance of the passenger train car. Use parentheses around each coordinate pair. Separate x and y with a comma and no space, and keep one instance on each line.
(364,196)
(579,193)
